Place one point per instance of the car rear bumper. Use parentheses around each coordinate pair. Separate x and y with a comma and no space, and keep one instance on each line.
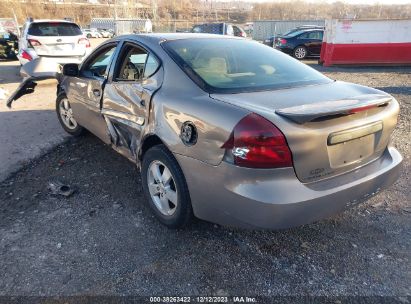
(286,50)
(275,199)
(57,59)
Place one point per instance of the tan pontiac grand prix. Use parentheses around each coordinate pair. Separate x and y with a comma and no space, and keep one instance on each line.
(228,130)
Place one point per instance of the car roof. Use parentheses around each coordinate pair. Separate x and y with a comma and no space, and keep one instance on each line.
(309,30)
(50,20)
(211,23)
(301,31)
(157,37)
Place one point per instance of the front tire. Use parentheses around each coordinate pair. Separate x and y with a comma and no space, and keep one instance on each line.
(165,188)
(65,116)
(300,52)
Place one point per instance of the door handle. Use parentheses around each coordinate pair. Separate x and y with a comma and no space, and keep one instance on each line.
(96,92)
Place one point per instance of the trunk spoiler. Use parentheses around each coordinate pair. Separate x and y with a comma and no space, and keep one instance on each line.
(38,69)
(329,109)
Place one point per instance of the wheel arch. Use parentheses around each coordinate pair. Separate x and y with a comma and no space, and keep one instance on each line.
(60,90)
(300,45)
(297,46)
(149,141)
(307,52)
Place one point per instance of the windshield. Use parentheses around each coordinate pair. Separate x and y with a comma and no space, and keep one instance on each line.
(54,29)
(238,65)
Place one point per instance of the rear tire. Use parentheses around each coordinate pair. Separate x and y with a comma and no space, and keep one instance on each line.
(65,116)
(165,188)
(300,52)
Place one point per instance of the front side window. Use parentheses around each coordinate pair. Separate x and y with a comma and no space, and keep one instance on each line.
(54,29)
(98,66)
(231,65)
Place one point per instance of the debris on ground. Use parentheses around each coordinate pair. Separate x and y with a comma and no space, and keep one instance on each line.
(58,188)
(407,209)
(305,245)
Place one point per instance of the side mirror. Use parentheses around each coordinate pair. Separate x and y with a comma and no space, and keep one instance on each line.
(70,69)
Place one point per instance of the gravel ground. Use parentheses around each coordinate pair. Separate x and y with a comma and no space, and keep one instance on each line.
(103,240)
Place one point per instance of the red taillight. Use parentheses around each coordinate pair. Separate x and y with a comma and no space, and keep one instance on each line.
(26,56)
(283,41)
(84,41)
(33,42)
(360,109)
(257,143)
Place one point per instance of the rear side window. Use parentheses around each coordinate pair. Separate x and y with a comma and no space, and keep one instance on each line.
(315,35)
(238,65)
(152,65)
(54,29)
(135,64)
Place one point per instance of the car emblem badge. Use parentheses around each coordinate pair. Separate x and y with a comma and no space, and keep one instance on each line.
(188,133)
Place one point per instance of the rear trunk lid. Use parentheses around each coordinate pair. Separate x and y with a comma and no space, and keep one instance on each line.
(57,39)
(330,129)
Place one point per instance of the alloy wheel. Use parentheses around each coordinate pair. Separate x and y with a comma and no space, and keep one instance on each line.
(300,53)
(162,188)
(66,114)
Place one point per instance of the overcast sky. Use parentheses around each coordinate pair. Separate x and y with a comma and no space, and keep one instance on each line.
(348,1)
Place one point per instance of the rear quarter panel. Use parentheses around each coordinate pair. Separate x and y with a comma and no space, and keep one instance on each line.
(180,100)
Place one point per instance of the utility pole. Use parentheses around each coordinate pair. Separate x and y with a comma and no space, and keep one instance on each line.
(16,21)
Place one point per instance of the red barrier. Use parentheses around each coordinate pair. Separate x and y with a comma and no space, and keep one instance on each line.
(368,53)
(366,42)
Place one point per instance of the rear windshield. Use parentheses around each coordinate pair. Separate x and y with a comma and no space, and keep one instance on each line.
(239,65)
(54,29)
(290,32)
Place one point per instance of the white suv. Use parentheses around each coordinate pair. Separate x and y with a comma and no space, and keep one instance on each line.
(59,40)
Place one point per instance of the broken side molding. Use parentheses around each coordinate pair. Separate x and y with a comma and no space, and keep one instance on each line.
(309,112)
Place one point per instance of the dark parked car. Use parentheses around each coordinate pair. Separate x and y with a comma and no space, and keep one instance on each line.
(214,28)
(8,45)
(301,44)
(270,40)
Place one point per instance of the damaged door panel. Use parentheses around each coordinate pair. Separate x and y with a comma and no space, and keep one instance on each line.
(127,97)
(36,70)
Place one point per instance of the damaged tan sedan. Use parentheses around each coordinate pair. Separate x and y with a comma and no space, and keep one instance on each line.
(229,130)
